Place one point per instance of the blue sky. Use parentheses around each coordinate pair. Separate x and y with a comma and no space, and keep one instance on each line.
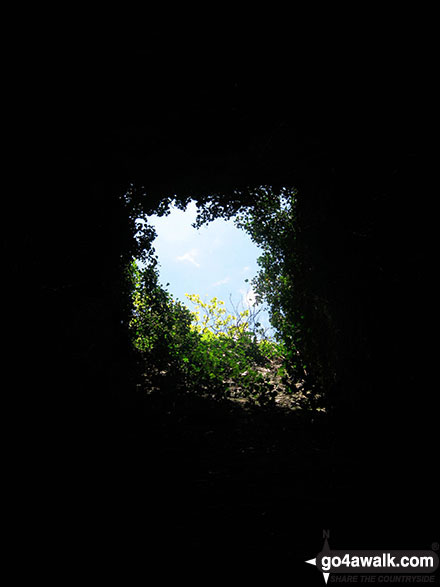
(213,261)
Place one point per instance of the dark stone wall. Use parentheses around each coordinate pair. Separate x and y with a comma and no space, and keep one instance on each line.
(354,140)
(352,131)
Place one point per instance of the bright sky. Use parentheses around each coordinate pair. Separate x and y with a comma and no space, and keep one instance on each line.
(213,261)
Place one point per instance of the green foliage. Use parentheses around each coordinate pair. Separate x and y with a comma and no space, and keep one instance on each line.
(206,350)
(226,353)
(271,223)
(299,314)
(231,354)
(160,326)
(299,311)
(211,317)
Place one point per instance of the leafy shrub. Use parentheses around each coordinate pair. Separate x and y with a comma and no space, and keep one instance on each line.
(301,310)
(231,354)
(206,350)
(160,326)
(299,314)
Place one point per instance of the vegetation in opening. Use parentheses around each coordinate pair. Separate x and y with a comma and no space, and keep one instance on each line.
(209,350)
(205,350)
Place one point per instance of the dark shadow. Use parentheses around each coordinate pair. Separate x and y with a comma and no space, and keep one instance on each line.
(122,480)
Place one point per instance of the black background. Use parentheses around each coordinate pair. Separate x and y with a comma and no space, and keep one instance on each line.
(349,120)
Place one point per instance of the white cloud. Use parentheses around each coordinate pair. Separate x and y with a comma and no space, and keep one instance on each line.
(222,281)
(190,256)
(245,269)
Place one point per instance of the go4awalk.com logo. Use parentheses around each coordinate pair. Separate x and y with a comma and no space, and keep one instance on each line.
(376,566)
